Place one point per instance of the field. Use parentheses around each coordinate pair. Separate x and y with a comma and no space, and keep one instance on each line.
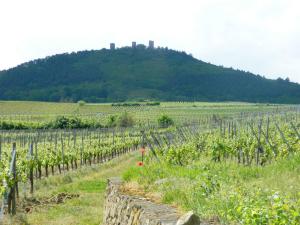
(181,112)
(228,162)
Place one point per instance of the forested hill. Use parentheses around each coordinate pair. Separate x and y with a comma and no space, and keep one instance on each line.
(138,74)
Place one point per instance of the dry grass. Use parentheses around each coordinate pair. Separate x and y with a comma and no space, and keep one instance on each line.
(133,188)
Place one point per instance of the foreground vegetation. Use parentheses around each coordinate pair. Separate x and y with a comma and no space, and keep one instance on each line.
(35,155)
(87,185)
(233,162)
(236,178)
(233,193)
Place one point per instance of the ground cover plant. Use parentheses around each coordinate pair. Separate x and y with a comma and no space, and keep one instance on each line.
(248,175)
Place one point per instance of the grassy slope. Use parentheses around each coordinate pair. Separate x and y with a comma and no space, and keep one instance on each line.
(89,183)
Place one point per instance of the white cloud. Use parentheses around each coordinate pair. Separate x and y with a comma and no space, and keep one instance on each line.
(261,36)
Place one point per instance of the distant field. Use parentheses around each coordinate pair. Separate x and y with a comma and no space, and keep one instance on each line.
(179,111)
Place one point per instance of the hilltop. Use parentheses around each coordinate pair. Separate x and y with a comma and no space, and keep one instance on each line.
(138,74)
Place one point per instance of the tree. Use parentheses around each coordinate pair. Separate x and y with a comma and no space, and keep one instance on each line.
(165,121)
(125,120)
(81,103)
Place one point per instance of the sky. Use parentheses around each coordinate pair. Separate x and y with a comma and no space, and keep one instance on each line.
(260,36)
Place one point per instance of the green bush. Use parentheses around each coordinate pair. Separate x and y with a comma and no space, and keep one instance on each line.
(81,103)
(12,126)
(125,120)
(165,121)
(112,121)
(61,122)
(130,104)
(126,104)
(153,103)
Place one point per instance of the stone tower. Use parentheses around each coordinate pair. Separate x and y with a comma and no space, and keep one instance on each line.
(112,46)
(151,44)
(133,44)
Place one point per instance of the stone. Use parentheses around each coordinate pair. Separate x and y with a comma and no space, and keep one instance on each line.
(123,209)
(189,219)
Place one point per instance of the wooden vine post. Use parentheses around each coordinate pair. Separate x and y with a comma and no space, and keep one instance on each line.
(30,157)
(12,191)
(62,152)
(259,148)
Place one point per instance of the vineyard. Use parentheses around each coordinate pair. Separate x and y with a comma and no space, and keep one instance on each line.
(248,143)
(217,151)
(36,114)
(243,172)
(28,156)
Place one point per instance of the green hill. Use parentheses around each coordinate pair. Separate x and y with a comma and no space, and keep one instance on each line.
(138,74)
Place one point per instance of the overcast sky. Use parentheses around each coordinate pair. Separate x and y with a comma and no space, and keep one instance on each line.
(261,36)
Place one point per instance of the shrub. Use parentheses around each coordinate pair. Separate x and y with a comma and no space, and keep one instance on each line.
(125,120)
(112,121)
(81,103)
(153,103)
(126,104)
(131,104)
(165,121)
(63,122)
(12,126)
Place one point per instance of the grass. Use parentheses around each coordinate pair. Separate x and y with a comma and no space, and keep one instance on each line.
(88,182)
(231,192)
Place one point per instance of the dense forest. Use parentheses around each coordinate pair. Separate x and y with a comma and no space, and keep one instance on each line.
(135,74)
